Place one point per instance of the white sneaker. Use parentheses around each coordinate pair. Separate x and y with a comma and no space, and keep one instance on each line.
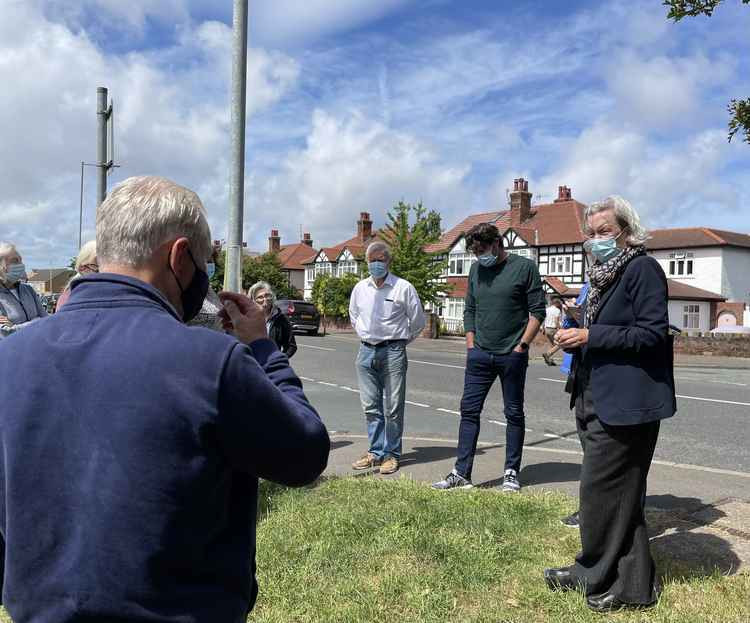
(510,481)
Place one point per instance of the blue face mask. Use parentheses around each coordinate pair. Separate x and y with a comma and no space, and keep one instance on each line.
(15,272)
(377,269)
(210,269)
(603,249)
(487,260)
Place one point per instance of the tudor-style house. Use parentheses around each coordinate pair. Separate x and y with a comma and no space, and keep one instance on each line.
(342,258)
(550,234)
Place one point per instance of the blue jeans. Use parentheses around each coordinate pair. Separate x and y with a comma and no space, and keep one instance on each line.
(381,371)
(482,368)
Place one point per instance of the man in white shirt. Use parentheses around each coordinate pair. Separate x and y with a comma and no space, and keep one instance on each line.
(387,314)
(551,325)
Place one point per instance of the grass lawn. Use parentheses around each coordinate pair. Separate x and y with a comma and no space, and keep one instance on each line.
(371,550)
(365,549)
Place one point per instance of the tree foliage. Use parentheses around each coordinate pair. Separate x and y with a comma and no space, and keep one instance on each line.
(331,294)
(266,267)
(738,109)
(410,229)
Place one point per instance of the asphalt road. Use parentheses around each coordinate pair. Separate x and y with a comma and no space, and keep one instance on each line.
(710,429)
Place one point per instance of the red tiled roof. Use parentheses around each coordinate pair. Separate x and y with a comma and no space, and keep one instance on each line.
(449,238)
(561,288)
(356,246)
(556,223)
(677,290)
(293,256)
(682,237)
(550,223)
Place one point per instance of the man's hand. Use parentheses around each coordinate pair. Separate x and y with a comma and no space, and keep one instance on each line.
(5,321)
(569,339)
(243,317)
(469,340)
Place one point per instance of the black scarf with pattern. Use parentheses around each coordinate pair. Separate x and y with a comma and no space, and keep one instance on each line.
(602,276)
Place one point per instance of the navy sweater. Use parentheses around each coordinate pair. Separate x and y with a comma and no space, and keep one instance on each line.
(132,446)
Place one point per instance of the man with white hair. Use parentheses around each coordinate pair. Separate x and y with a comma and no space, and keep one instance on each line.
(387,314)
(133,444)
(20,306)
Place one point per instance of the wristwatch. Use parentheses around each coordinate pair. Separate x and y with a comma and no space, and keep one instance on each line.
(524,346)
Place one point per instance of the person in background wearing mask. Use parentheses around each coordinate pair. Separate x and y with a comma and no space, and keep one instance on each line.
(278,325)
(387,314)
(133,445)
(503,310)
(86,264)
(622,386)
(20,305)
(209,315)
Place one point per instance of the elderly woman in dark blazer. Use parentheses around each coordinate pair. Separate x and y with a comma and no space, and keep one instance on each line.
(621,386)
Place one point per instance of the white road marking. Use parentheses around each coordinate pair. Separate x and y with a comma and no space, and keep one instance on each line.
(432,363)
(498,422)
(725,402)
(698,468)
(696,379)
(349,389)
(448,411)
(417,404)
(327,384)
(307,378)
(315,347)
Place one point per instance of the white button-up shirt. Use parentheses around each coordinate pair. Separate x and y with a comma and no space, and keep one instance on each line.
(391,312)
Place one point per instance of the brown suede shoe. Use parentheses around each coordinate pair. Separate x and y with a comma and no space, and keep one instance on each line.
(389,466)
(368,461)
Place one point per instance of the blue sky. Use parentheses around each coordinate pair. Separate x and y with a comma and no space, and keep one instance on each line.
(355,105)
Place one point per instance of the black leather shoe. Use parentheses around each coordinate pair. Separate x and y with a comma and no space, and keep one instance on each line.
(607,602)
(561,579)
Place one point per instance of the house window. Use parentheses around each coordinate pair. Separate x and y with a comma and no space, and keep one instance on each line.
(310,275)
(679,266)
(455,309)
(691,316)
(347,266)
(559,264)
(521,252)
(460,263)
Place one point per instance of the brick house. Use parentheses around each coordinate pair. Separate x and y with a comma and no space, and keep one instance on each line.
(342,258)
(50,280)
(292,257)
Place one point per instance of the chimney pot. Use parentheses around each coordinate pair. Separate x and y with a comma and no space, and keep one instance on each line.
(364,227)
(307,239)
(520,202)
(274,241)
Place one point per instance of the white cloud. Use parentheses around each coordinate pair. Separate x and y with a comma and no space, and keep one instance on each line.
(350,166)
(171,115)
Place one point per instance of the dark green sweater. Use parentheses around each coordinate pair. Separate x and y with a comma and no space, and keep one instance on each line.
(499,300)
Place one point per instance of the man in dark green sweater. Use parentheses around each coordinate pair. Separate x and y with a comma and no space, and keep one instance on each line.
(503,311)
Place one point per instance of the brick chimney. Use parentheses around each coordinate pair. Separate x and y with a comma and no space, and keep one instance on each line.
(274,241)
(520,202)
(563,194)
(364,227)
(307,239)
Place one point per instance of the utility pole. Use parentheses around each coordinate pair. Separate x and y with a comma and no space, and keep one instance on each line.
(233,265)
(103,115)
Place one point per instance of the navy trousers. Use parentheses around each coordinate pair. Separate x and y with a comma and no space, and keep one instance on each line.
(482,368)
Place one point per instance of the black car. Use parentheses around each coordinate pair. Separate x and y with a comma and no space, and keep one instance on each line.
(302,315)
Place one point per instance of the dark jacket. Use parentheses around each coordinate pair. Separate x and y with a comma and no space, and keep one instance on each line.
(629,349)
(280,332)
(132,446)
